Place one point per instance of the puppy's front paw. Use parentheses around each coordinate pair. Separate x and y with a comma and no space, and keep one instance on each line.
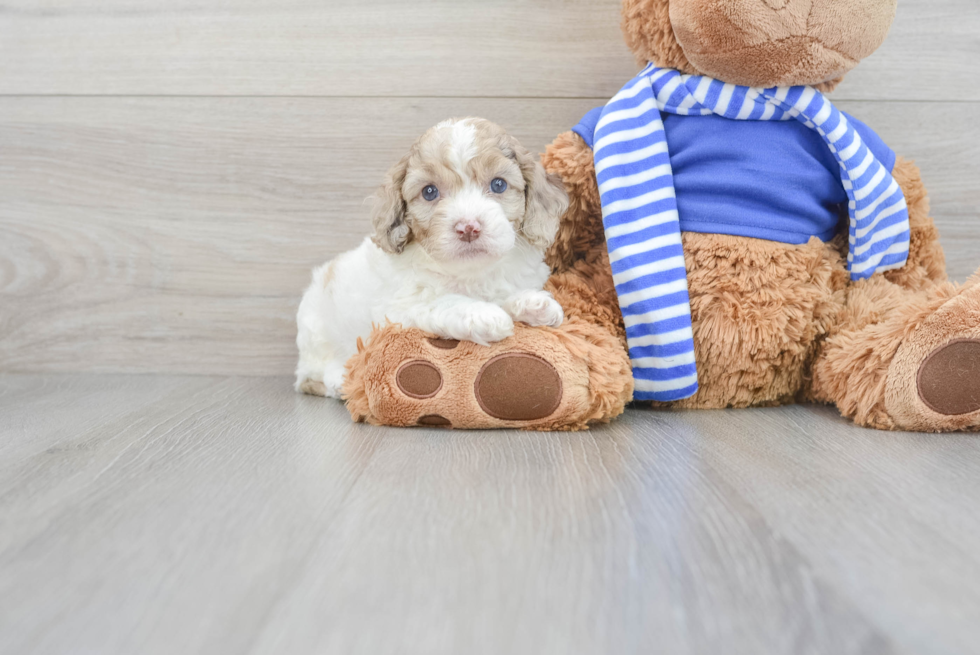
(482,323)
(535,308)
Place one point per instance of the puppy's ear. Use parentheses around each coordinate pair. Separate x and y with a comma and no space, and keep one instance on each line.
(391,232)
(545,200)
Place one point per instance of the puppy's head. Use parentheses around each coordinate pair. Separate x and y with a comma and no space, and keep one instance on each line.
(468,193)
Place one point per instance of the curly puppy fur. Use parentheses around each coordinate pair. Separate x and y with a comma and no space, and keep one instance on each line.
(461,226)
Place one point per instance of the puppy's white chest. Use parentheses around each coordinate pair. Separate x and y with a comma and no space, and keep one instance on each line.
(492,288)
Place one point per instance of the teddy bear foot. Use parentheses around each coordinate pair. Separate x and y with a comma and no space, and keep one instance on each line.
(406,377)
(934,379)
(949,379)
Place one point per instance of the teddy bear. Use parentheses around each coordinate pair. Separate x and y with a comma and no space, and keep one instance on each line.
(768,250)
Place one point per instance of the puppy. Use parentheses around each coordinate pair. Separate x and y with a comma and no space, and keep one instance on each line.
(461,225)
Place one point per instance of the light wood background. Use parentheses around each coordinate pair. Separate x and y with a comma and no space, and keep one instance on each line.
(170,171)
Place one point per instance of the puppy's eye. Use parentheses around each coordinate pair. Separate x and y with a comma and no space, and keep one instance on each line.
(498,185)
(430,193)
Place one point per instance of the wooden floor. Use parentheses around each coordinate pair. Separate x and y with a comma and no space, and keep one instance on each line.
(167,514)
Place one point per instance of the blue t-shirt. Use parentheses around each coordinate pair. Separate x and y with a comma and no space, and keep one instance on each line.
(774,180)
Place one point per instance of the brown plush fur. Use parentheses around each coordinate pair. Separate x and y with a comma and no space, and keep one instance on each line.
(580,230)
(779,42)
(758,307)
(773,323)
(948,313)
(650,35)
(758,42)
(927,261)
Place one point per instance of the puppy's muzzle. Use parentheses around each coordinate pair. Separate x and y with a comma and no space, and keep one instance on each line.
(468,231)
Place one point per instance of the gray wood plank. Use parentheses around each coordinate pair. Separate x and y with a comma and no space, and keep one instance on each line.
(230,515)
(838,494)
(176,234)
(614,541)
(181,232)
(29,426)
(385,47)
(933,46)
(104,550)
(564,48)
(946,147)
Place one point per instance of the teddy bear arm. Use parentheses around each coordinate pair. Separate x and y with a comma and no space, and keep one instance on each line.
(927,261)
(580,230)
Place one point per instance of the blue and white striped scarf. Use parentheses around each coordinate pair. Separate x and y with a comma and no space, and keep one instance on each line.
(639,209)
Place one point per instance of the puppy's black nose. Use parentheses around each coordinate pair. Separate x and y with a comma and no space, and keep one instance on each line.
(468,231)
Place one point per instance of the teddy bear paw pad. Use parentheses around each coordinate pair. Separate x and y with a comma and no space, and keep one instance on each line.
(518,387)
(435,420)
(443,344)
(419,379)
(949,378)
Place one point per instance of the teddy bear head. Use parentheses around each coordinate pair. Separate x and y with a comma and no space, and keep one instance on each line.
(758,42)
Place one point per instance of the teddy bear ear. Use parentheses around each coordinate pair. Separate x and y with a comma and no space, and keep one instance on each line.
(391,231)
(650,35)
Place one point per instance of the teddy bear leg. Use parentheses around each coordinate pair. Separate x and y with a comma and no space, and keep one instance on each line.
(905,361)
(540,379)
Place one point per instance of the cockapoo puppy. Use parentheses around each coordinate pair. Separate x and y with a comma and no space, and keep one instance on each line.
(461,225)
